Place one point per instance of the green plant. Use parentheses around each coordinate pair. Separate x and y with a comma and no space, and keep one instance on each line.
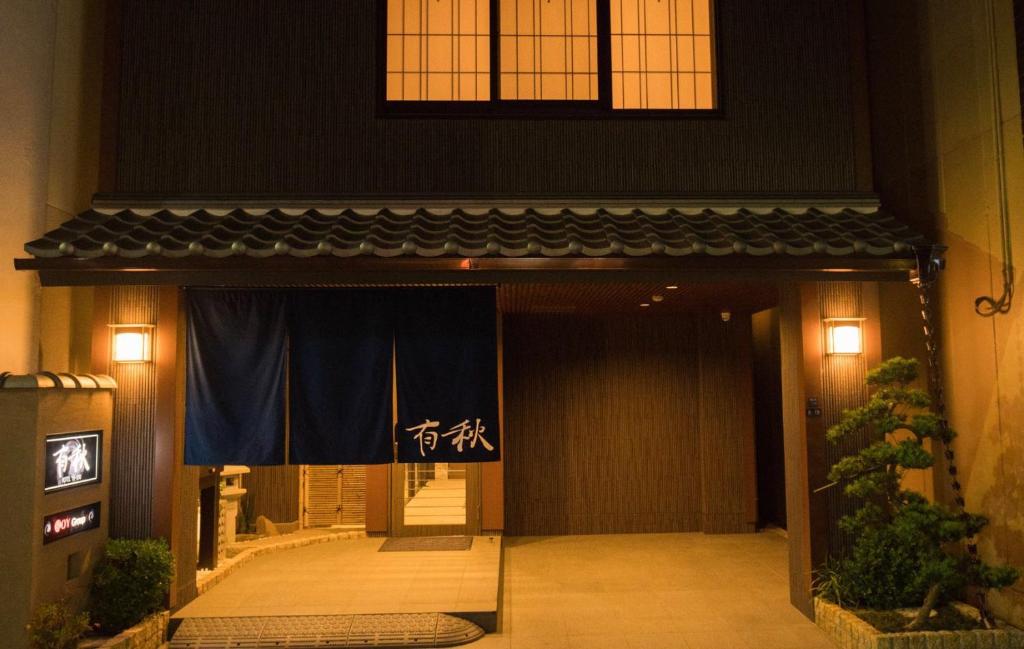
(56,626)
(906,550)
(130,582)
(828,582)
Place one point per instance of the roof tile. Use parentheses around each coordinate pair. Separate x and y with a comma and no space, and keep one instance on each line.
(496,232)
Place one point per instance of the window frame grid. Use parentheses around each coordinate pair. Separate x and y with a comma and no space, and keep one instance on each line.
(497,107)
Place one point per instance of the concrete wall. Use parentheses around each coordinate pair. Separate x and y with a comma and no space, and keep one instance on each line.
(50,78)
(936,164)
(72,171)
(27,34)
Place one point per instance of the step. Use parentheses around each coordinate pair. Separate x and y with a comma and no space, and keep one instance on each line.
(309,631)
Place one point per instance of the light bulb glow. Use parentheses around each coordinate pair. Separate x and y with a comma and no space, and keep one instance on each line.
(132,343)
(845,337)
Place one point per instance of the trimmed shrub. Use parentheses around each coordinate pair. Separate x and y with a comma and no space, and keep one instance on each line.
(906,551)
(130,582)
(56,626)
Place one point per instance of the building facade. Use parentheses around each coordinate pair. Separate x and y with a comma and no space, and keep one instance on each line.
(789,188)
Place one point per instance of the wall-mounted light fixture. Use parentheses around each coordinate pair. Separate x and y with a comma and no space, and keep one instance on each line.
(132,343)
(844,335)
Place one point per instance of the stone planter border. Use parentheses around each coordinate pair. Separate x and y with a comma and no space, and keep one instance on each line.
(151,633)
(850,632)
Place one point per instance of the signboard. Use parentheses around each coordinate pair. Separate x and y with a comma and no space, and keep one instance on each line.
(72,460)
(70,522)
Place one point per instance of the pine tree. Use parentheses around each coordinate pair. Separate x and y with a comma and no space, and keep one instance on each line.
(906,551)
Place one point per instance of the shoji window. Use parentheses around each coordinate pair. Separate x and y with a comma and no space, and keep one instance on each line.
(548,49)
(662,54)
(585,57)
(438,50)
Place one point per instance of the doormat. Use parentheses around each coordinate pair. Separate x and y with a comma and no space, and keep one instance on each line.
(427,544)
(309,631)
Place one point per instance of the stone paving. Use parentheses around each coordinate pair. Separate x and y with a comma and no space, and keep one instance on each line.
(642,591)
(350,576)
(651,591)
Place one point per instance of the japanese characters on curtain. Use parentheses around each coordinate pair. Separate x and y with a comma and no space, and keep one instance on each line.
(339,382)
(446,359)
(235,378)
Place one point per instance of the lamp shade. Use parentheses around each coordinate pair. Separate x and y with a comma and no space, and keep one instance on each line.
(132,343)
(844,335)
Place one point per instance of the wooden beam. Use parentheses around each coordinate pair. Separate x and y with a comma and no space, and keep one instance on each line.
(817,467)
(100,363)
(492,474)
(803,437)
(167,417)
(377,499)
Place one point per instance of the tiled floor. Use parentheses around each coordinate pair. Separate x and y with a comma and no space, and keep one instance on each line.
(439,502)
(655,591)
(350,576)
(645,591)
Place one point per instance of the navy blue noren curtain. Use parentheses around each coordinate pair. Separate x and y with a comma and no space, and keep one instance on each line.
(340,376)
(446,357)
(235,376)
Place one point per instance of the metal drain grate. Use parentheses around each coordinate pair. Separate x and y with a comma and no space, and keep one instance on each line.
(427,544)
(309,631)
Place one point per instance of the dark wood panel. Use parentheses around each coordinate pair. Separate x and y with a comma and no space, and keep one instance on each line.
(726,406)
(602,425)
(221,97)
(771,473)
(273,491)
(801,511)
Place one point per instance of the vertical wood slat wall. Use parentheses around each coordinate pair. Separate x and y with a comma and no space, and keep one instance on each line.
(138,418)
(353,495)
(604,424)
(132,444)
(168,143)
(726,405)
(321,497)
(272,491)
(842,387)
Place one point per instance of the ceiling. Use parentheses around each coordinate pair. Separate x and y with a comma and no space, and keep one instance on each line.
(583,298)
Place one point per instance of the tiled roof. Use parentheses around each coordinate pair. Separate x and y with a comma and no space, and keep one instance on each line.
(863,232)
(61,380)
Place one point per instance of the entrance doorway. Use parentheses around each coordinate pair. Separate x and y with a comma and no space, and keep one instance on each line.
(629,408)
(435,499)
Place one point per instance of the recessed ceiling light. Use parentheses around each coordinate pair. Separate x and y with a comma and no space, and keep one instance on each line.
(657,298)
(672,287)
(644,304)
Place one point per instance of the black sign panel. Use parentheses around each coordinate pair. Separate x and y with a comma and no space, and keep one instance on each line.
(73,459)
(70,522)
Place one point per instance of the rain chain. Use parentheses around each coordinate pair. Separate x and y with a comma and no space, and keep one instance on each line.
(930,262)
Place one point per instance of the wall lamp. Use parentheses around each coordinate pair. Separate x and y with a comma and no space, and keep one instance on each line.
(844,335)
(132,343)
